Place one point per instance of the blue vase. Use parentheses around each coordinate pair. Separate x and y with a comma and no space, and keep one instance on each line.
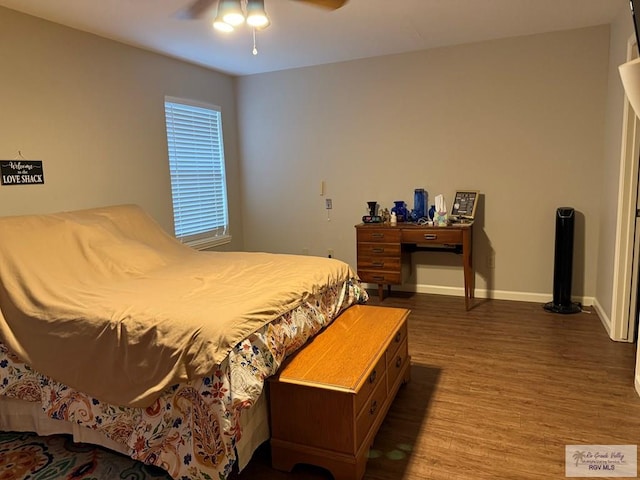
(432,212)
(400,210)
(419,204)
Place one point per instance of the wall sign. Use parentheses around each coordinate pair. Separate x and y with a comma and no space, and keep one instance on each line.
(21,172)
(465,204)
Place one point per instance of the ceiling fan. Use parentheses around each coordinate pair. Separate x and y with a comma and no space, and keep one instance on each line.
(203,8)
(228,14)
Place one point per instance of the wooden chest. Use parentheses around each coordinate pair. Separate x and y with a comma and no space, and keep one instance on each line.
(330,398)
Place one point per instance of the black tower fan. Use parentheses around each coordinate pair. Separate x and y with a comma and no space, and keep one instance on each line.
(563,264)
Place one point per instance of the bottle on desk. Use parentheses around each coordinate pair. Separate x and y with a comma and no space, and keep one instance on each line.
(394,219)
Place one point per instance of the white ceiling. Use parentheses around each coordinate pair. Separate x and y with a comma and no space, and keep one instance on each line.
(303,35)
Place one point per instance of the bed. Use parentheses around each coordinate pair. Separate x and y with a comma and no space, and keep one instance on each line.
(113,331)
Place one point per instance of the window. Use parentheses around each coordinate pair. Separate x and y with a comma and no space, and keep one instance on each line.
(196,163)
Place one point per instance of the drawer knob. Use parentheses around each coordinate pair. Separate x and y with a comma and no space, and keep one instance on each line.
(398,337)
(372,377)
(378,264)
(374,407)
(430,236)
(398,362)
(377,235)
(378,250)
(378,277)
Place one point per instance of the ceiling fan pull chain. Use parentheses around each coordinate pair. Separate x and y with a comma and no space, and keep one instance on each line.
(255,49)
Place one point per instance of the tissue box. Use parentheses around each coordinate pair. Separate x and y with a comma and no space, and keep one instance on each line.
(441,219)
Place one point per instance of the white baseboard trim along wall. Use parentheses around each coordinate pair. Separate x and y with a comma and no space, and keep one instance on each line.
(604,318)
(541,298)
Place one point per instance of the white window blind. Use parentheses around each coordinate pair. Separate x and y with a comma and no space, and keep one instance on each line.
(196,163)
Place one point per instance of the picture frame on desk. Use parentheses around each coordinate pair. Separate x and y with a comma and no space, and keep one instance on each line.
(465,203)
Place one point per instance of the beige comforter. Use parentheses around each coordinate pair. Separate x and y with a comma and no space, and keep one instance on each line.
(105,301)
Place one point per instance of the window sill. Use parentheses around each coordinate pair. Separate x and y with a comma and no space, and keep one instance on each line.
(206,243)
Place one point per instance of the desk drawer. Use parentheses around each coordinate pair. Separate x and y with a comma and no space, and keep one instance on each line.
(388,264)
(379,250)
(378,235)
(432,236)
(373,276)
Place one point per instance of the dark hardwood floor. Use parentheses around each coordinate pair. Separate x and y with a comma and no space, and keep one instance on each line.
(496,393)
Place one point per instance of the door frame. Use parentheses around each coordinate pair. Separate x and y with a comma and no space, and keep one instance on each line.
(623,321)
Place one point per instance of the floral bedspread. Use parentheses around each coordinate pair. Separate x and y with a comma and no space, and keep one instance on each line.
(192,428)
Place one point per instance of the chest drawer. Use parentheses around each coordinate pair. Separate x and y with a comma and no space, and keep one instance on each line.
(371,410)
(433,236)
(370,384)
(398,338)
(395,364)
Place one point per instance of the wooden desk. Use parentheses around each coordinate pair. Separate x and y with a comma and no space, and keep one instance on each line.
(383,250)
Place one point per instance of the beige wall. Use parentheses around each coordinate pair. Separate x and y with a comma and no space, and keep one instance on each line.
(93,111)
(621,30)
(521,120)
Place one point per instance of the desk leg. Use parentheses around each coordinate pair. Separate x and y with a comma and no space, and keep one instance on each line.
(381,291)
(467,261)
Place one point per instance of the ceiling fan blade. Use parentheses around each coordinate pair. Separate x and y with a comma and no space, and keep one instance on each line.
(197,9)
(329,4)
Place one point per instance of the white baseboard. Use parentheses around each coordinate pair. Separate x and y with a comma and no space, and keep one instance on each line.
(604,318)
(483,293)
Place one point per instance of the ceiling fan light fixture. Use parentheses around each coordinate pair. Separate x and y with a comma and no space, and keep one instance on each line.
(256,14)
(231,12)
(222,26)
